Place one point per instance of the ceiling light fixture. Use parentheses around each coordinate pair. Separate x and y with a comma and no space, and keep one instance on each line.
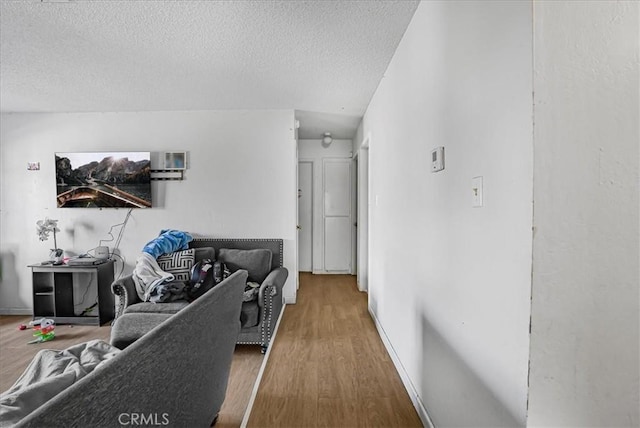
(327,138)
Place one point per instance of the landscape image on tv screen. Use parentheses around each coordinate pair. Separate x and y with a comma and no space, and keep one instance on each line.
(103,180)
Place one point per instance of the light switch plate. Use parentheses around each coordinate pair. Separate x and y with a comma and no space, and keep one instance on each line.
(437,159)
(476,192)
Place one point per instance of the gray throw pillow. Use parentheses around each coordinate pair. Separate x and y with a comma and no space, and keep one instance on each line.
(178,263)
(256,262)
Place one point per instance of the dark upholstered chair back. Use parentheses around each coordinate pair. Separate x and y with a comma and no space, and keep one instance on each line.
(275,245)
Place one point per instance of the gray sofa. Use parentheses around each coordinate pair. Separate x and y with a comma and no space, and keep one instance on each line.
(258,318)
(175,375)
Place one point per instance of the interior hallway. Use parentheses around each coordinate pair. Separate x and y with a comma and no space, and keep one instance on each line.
(328,366)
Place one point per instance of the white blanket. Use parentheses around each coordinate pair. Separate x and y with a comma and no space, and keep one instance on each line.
(147,275)
(49,373)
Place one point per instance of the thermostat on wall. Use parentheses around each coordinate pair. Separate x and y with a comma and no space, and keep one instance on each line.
(437,159)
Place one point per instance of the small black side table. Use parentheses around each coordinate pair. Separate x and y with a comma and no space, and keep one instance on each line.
(53,292)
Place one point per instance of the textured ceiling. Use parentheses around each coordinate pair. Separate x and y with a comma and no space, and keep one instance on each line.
(322,58)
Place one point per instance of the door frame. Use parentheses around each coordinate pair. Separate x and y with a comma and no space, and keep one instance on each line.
(312,195)
(364,214)
(354,214)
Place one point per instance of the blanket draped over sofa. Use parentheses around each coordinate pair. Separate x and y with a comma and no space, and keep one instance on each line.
(147,275)
(49,373)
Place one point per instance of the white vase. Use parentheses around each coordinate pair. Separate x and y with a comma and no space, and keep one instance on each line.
(56,256)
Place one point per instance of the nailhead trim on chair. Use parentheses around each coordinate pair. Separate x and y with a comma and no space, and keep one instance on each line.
(120,291)
(266,334)
(266,321)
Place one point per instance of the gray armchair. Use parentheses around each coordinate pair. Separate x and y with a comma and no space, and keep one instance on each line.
(258,318)
(177,373)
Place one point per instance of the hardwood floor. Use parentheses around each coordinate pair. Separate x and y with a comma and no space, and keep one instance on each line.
(15,355)
(245,366)
(328,366)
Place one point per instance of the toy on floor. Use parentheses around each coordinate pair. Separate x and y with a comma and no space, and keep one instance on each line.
(31,324)
(44,332)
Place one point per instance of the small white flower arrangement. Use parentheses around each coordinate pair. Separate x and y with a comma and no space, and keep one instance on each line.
(44,228)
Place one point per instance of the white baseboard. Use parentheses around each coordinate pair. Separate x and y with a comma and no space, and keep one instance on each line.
(361,287)
(256,385)
(289,300)
(324,272)
(404,376)
(16,311)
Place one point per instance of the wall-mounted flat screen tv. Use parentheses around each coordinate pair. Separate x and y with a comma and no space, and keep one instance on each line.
(103,179)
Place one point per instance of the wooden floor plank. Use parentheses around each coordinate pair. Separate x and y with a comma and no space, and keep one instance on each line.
(328,367)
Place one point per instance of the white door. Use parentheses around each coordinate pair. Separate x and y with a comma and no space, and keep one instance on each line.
(305,216)
(337,215)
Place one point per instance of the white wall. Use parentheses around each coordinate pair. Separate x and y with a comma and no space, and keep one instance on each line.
(585,303)
(450,284)
(315,151)
(240,183)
